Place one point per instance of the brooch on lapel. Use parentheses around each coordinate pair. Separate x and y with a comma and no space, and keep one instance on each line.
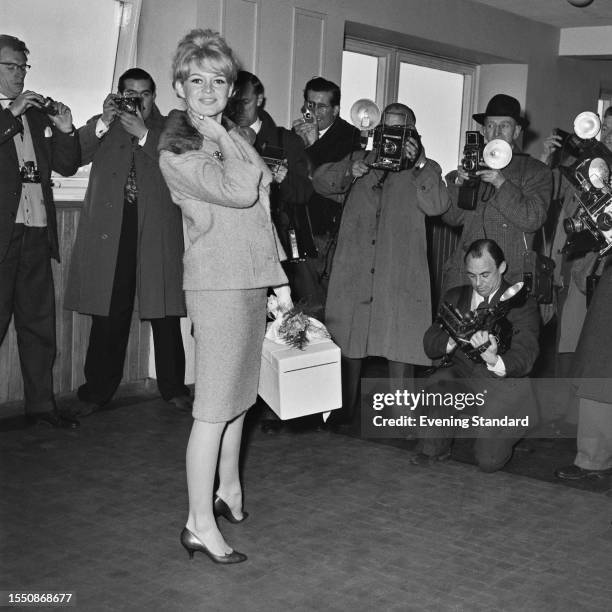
(218,155)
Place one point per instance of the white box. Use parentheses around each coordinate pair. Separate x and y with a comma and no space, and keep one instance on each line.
(295,383)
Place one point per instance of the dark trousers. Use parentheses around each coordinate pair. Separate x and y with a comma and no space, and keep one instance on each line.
(26,291)
(351,378)
(109,335)
(308,279)
(492,447)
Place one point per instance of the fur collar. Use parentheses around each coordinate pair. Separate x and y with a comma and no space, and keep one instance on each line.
(179,135)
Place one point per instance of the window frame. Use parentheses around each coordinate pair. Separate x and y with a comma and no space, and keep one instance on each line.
(73,188)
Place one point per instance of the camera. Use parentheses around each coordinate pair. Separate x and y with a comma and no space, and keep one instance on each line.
(591,226)
(29,172)
(49,106)
(472,152)
(389,147)
(128,102)
(308,112)
(273,156)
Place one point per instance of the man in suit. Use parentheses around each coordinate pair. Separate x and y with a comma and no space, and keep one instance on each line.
(34,140)
(291,188)
(327,138)
(511,203)
(129,243)
(498,376)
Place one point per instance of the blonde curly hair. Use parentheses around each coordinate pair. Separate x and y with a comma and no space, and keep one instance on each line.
(204,47)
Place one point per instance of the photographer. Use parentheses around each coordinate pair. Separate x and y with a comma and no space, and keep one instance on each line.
(35,138)
(510,204)
(130,237)
(485,266)
(379,291)
(327,138)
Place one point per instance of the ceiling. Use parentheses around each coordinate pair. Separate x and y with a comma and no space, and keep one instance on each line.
(558,13)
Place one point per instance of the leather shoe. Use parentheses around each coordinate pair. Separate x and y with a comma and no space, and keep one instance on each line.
(182,402)
(573,472)
(54,420)
(86,409)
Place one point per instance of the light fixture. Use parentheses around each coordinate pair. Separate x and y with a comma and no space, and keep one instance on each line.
(580,3)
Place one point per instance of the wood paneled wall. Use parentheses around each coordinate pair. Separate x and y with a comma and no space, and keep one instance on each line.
(72,329)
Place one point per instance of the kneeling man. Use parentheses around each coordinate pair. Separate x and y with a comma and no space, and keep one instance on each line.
(484,365)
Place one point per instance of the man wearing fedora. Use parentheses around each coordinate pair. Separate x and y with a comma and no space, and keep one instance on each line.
(511,203)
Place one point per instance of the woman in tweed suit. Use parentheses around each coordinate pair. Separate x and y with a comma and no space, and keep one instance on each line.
(222,188)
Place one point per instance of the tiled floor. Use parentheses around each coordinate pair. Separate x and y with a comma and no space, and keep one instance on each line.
(337,523)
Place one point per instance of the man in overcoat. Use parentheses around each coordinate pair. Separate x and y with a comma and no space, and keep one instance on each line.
(592,368)
(129,243)
(33,142)
(379,301)
(511,203)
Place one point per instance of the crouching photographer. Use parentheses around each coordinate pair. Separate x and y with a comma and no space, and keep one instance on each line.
(378,300)
(487,361)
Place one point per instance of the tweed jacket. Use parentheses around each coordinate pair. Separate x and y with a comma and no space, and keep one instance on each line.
(160,230)
(379,299)
(225,203)
(518,208)
(523,351)
(54,150)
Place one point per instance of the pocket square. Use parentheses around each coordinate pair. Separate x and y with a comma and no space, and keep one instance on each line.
(48,132)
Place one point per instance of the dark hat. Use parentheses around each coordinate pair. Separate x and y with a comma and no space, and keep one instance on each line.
(501,105)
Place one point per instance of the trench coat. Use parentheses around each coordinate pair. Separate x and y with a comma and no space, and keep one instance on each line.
(160,231)
(379,299)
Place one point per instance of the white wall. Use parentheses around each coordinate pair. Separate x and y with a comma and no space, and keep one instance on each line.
(71,61)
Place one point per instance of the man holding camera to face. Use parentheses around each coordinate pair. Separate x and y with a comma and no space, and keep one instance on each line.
(130,238)
(378,302)
(36,137)
(327,138)
(508,205)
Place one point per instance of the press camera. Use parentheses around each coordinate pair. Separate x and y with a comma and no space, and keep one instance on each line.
(591,226)
(128,102)
(496,155)
(573,146)
(461,327)
(387,141)
(472,152)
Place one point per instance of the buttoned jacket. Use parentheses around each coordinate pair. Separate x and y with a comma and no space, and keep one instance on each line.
(55,151)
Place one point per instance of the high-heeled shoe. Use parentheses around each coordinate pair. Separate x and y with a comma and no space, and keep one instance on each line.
(220,508)
(192,544)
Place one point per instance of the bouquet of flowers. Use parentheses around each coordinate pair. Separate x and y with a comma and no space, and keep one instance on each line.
(293,327)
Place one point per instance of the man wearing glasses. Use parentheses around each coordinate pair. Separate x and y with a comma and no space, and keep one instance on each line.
(327,138)
(36,137)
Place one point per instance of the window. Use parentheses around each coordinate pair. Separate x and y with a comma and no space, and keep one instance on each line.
(78,48)
(439,91)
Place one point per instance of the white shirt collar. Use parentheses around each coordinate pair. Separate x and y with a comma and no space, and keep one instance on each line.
(256,126)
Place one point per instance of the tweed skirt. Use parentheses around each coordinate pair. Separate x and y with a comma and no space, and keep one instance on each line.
(229,328)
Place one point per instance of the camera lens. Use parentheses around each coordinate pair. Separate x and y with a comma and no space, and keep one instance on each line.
(389,147)
(604,221)
(469,165)
(571,225)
